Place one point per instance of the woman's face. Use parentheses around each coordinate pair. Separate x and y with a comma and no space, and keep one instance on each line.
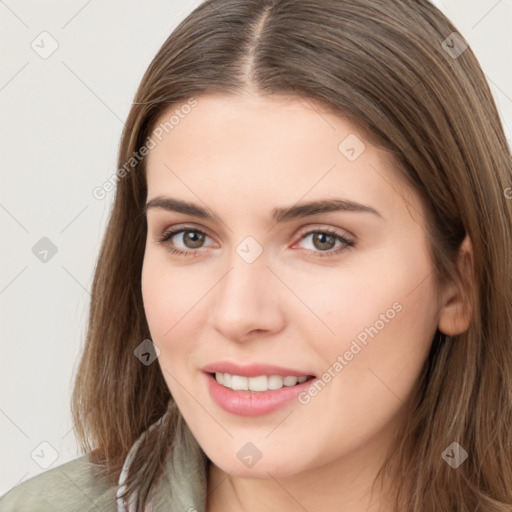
(266,281)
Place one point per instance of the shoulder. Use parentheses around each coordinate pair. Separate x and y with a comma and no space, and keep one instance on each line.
(76,485)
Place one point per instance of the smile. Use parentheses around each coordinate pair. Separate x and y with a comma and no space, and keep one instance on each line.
(258,401)
(259,383)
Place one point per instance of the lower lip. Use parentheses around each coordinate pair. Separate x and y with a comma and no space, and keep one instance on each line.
(253,403)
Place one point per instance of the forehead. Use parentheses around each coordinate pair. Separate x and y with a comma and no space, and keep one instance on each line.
(276,149)
(250,119)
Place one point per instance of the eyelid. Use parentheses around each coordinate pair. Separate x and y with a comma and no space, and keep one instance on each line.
(323,227)
(174,230)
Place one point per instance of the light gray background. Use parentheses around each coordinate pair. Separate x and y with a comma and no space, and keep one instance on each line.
(60,125)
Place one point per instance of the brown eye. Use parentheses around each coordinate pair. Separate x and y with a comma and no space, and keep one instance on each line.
(191,240)
(324,241)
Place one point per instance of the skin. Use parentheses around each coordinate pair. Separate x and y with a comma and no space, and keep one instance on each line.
(242,157)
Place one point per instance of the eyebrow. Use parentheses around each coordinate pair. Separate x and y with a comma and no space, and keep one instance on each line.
(278,214)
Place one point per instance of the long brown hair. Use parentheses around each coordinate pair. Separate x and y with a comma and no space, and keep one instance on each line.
(397,70)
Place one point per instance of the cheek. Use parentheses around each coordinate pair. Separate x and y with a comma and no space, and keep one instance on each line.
(379,317)
(164,305)
(373,363)
(377,357)
(174,301)
(382,288)
(170,294)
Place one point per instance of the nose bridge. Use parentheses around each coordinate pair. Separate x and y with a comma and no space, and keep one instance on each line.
(246,298)
(246,281)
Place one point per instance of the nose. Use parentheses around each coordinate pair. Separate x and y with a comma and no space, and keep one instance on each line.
(247,301)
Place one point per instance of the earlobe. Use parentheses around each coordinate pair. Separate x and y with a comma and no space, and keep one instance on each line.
(456,313)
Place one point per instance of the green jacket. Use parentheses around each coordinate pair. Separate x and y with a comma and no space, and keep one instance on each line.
(76,487)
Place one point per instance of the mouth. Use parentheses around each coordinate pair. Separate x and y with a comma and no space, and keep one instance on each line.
(257,395)
(259,383)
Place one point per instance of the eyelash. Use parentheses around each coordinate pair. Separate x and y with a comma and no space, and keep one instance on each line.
(165,237)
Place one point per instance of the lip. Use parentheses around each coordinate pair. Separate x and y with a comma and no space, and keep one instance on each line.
(253,369)
(253,403)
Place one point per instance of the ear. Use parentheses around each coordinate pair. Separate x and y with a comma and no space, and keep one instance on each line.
(455,313)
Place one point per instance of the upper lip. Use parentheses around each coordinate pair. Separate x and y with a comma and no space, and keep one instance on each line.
(253,369)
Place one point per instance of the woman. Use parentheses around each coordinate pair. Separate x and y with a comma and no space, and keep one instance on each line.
(303,299)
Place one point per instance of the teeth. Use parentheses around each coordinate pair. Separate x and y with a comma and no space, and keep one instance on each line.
(275,382)
(239,383)
(290,381)
(260,383)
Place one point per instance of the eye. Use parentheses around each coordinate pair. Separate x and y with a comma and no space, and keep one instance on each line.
(193,238)
(325,239)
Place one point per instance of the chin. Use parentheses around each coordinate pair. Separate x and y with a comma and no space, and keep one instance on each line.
(265,467)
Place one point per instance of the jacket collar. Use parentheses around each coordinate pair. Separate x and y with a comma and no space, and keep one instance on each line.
(183,485)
